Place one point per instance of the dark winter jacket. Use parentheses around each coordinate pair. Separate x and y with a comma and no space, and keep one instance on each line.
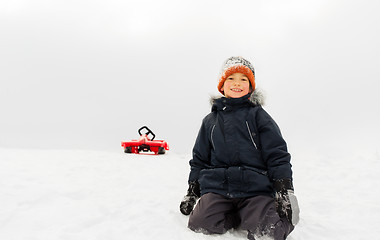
(239,150)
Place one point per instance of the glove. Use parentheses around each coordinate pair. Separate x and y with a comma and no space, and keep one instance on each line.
(188,202)
(286,201)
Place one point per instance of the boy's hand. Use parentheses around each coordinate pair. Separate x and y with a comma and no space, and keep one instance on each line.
(187,204)
(286,201)
(189,201)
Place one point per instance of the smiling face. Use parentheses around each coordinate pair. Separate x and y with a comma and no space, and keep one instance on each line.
(236,85)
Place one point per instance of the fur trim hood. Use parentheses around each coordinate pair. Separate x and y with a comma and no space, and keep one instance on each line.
(257,98)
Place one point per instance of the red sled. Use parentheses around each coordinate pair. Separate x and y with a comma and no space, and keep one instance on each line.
(145,144)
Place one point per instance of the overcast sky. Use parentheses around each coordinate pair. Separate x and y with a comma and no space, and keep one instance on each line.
(87,74)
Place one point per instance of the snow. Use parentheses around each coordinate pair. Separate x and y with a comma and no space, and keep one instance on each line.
(85,194)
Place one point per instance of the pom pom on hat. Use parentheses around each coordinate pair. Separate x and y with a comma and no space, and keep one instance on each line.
(236,65)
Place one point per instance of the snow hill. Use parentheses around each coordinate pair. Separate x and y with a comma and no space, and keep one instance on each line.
(72,194)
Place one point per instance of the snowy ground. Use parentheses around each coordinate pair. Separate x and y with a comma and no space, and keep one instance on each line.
(71,195)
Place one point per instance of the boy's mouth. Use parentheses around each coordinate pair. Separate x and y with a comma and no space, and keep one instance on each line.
(236,90)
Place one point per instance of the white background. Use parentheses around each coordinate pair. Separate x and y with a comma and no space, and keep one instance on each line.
(88,74)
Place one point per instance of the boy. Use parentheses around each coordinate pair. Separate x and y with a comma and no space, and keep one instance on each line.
(240,169)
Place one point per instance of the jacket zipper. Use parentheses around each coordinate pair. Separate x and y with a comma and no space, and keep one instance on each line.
(250,134)
(212,133)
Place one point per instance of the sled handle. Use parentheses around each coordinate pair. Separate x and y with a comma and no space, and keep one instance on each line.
(148,131)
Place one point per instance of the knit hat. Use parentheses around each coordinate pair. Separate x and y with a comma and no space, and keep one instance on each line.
(236,65)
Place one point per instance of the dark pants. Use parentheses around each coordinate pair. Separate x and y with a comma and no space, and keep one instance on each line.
(217,214)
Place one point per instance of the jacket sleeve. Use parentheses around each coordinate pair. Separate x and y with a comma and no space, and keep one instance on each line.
(273,147)
(201,153)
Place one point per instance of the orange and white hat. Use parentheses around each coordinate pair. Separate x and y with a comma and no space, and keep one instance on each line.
(236,65)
